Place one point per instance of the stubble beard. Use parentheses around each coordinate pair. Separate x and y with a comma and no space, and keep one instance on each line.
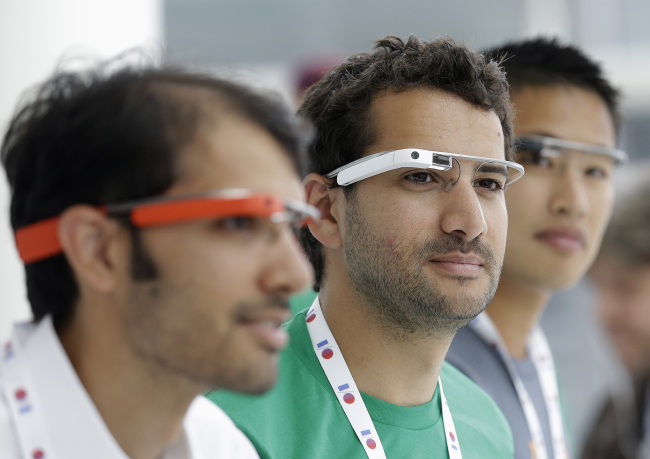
(174,339)
(392,281)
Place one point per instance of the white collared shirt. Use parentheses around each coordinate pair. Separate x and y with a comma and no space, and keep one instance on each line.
(75,428)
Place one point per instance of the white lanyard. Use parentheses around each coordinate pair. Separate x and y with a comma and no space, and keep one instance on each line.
(23,404)
(343,385)
(540,354)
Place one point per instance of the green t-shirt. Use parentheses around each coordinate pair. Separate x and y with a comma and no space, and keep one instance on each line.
(302,300)
(301,416)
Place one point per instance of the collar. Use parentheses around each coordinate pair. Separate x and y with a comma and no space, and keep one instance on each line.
(75,426)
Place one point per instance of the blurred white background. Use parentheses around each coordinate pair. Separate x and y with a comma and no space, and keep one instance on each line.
(34,36)
(264,40)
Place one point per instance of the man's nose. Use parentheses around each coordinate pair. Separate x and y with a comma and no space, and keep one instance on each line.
(287,269)
(463,213)
(569,195)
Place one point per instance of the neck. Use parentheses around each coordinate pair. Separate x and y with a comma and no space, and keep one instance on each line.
(398,368)
(142,407)
(515,310)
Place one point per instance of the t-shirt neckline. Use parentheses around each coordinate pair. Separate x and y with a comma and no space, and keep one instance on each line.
(407,417)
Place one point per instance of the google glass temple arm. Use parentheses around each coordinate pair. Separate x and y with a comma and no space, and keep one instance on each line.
(541,143)
(378,163)
(39,240)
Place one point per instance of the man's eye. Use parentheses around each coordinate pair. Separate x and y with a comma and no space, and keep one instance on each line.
(534,158)
(420,177)
(596,172)
(238,224)
(489,184)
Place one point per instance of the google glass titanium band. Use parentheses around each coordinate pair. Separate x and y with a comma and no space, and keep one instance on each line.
(385,161)
(552,146)
(38,241)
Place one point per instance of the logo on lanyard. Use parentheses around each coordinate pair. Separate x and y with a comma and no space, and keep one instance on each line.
(19,393)
(370,441)
(348,396)
(325,350)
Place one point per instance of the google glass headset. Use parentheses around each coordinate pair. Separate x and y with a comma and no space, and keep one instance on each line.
(551,147)
(38,241)
(505,171)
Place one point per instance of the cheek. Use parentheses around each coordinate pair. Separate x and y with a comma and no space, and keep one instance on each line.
(529,192)
(526,205)
(204,265)
(640,307)
(601,203)
(496,217)
(401,218)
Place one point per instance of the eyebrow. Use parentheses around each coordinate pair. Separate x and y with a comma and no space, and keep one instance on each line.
(494,169)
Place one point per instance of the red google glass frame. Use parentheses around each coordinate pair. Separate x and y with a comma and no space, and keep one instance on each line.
(40,240)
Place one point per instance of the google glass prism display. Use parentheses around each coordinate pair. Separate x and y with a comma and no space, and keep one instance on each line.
(505,172)
(544,147)
(40,240)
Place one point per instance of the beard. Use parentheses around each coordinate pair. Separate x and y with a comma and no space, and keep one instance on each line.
(166,328)
(176,339)
(394,283)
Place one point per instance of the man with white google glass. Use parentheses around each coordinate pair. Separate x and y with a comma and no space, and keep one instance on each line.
(410,160)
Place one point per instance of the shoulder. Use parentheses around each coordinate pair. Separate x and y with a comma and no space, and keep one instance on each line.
(614,431)
(8,435)
(477,417)
(458,385)
(213,432)
(286,420)
(468,353)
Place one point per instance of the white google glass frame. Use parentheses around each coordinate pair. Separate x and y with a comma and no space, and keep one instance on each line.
(385,161)
(553,146)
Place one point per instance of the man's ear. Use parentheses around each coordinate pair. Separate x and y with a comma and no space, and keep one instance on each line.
(319,195)
(91,243)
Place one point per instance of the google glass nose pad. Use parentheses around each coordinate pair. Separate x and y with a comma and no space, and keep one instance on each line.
(451,183)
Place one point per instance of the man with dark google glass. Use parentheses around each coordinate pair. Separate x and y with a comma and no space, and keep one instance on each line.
(409,165)
(154,210)
(566,125)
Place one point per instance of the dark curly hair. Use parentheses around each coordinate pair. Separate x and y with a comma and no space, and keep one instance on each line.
(339,105)
(110,134)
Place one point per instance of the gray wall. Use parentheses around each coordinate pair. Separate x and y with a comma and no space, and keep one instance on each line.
(223,32)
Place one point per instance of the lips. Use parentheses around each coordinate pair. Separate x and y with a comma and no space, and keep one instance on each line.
(563,239)
(468,264)
(265,326)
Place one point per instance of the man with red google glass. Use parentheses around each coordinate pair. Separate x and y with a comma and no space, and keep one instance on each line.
(155,211)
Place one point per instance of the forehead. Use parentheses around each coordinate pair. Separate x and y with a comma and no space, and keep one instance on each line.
(435,120)
(563,111)
(229,151)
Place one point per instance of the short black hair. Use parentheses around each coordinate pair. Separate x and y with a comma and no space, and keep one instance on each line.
(339,104)
(114,133)
(544,61)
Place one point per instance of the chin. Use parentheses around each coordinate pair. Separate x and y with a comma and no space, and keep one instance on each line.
(257,385)
(261,379)
(559,283)
(252,377)
(547,276)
